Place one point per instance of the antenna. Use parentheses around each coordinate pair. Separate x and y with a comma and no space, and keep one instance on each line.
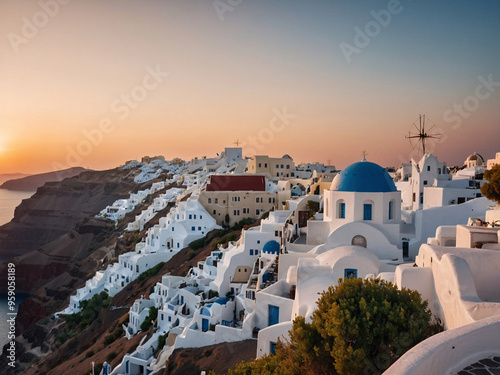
(419,136)
(237,143)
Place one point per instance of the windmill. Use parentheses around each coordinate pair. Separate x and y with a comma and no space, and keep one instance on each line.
(419,137)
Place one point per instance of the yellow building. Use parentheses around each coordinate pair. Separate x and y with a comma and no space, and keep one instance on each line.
(274,168)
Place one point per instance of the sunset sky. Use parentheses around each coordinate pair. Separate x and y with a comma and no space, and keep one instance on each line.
(185,78)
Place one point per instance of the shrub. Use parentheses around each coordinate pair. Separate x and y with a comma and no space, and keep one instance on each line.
(153,314)
(150,273)
(198,244)
(111,356)
(161,341)
(114,336)
(359,327)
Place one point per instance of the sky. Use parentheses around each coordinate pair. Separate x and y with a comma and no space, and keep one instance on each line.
(97,83)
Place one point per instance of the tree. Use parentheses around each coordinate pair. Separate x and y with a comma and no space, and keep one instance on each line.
(313,207)
(491,189)
(359,327)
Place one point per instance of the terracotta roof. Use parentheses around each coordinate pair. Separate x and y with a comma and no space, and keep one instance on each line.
(237,183)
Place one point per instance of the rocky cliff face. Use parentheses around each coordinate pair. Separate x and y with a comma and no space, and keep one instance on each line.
(57,207)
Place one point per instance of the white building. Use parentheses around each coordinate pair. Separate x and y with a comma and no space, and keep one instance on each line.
(492,162)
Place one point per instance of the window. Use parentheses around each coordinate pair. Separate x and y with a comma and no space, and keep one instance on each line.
(258,241)
(428,168)
(257,211)
(260,165)
(215,212)
(251,251)
(199,228)
(265,165)
(425,182)
(287,167)
(182,300)
(257,200)
(350,273)
(282,166)
(277,166)
(341,209)
(272,348)
(391,210)
(421,198)
(193,228)
(201,217)
(216,200)
(367,211)
(190,217)
(269,200)
(173,229)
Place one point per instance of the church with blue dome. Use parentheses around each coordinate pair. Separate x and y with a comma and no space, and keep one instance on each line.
(364,177)
(362,207)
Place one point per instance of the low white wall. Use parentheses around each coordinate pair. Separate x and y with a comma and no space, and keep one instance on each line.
(451,350)
(272,334)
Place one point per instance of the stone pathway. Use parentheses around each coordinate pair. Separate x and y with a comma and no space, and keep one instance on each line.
(486,366)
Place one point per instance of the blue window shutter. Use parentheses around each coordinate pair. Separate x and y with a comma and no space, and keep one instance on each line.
(367,211)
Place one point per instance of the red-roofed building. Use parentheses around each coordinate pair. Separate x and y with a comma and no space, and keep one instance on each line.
(236,183)
(236,197)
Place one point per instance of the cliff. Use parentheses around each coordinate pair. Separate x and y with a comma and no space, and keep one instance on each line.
(57,207)
(11,176)
(33,182)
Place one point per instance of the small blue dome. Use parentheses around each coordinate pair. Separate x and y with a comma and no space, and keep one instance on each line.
(364,177)
(271,247)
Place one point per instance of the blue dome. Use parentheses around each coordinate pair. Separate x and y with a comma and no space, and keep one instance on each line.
(271,247)
(364,177)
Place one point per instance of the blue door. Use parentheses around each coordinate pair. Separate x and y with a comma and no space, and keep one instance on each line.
(204,325)
(274,315)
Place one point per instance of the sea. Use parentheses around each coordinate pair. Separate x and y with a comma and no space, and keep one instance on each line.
(9,200)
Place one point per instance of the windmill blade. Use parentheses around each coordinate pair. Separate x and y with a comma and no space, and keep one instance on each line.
(428,131)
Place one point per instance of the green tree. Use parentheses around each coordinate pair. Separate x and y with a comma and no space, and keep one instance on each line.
(359,327)
(313,207)
(491,189)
